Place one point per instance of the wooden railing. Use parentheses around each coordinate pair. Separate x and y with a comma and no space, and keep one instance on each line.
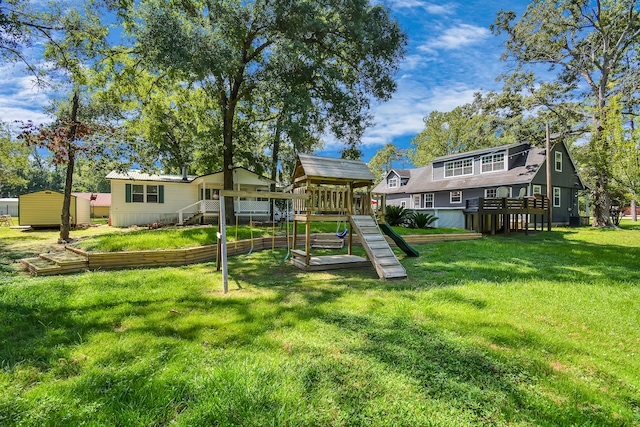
(332,200)
(493,205)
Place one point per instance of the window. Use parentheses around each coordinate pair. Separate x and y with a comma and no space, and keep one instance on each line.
(537,189)
(558,161)
(403,203)
(416,201)
(490,193)
(493,162)
(428,200)
(152,194)
(556,197)
(455,196)
(392,183)
(137,195)
(458,168)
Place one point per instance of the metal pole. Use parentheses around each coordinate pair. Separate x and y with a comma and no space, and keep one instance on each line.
(549,189)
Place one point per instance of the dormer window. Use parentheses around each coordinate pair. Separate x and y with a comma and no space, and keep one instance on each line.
(493,162)
(458,168)
(392,183)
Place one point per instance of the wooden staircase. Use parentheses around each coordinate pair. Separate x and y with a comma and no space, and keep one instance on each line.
(378,250)
(62,262)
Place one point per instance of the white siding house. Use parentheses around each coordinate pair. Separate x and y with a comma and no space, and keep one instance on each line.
(140,199)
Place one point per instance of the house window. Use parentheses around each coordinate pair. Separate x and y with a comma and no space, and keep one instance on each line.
(137,193)
(152,194)
(428,200)
(556,197)
(493,162)
(558,161)
(403,203)
(416,201)
(455,196)
(458,168)
(392,183)
(490,193)
(537,189)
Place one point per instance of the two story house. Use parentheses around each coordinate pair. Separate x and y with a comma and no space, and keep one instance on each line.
(443,186)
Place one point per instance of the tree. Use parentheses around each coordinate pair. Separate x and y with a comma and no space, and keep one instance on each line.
(71,52)
(344,52)
(14,158)
(588,43)
(462,129)
(381,162)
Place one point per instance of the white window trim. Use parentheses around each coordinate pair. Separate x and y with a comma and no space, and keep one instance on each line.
(504,162)
(486,190)
(433,201)
(419,198)
(537,189)
(559,191)
(444,172)
(133,193)
(403,203)
(394,181)
(558,156)
(451,197)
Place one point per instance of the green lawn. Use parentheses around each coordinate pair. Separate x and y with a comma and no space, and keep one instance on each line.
(537,330)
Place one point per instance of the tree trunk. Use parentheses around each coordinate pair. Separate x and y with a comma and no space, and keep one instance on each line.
(275,154)
(227,157)
(634,213)
(65,226)
(601,151)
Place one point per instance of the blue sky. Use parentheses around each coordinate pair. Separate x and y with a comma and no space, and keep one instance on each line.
(451,54)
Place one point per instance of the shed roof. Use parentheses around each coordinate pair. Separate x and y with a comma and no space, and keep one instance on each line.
(330,170)
(97,199)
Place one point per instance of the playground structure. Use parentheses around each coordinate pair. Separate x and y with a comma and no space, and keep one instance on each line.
(339,190)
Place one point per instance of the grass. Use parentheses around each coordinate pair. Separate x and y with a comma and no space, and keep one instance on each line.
(537,330)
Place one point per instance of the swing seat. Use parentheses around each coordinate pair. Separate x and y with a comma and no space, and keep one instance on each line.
(342,234)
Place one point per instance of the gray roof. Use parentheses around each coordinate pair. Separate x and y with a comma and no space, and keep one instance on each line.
(421,180)
(402,173)
(332,170)
(407,173)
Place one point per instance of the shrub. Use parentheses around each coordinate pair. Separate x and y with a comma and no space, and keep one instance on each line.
(395,215)
(420,219)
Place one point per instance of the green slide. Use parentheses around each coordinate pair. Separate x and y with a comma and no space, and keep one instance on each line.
(386,229)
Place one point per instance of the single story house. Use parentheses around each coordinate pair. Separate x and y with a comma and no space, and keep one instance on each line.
(100,203)
(139,198)
(9,206)
(443,186)
(44,209)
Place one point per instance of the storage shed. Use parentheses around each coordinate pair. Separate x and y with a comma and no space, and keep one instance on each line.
(100,203)
(9,206)
(44,209)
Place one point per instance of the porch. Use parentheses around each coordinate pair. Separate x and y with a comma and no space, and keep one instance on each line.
(509,214)
(260,209)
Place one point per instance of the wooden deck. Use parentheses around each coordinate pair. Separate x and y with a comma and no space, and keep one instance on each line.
(328,262)
(509,214)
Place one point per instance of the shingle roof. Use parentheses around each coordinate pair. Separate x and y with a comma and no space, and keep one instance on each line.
(333,169)
(421,179)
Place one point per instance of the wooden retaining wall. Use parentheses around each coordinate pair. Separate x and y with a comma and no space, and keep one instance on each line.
(185,256)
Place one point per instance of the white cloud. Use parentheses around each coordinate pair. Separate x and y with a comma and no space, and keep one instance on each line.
(403,115)
(456,38)
(434,9)
(20,98)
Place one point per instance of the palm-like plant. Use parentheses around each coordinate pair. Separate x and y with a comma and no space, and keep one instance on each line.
(420,219)
(395,215)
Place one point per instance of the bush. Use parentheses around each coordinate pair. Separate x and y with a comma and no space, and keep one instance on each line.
(395,215)
(420,219)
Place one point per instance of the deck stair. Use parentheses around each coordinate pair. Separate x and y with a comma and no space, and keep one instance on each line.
(377,248)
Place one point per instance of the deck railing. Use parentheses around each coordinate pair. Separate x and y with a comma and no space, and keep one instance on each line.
(331,200)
